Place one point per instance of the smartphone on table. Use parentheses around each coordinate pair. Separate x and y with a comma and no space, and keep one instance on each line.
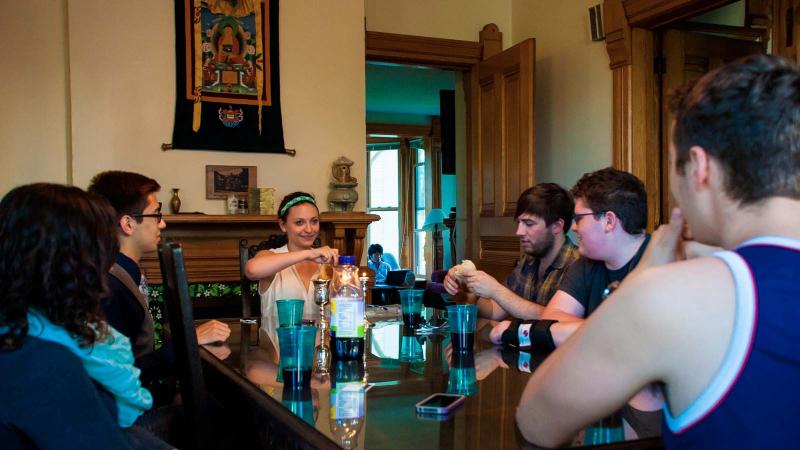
(440,404)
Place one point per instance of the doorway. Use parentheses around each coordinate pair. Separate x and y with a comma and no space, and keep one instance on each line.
(405,179)
(689,49)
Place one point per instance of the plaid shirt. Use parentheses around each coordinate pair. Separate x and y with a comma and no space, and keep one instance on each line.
(524,280)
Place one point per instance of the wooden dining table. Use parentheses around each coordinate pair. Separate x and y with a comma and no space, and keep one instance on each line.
(400,368)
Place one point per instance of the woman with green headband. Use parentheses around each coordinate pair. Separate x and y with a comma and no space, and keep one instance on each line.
(287,272)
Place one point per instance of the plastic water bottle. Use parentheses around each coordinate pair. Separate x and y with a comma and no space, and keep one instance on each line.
(347,311)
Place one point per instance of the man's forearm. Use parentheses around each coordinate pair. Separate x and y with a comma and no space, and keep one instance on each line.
(561,331)
(516,306)
(489,309)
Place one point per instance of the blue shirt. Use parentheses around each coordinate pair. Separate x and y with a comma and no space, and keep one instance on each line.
(381,271)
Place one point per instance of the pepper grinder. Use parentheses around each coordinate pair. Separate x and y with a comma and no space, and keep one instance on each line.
(364,279)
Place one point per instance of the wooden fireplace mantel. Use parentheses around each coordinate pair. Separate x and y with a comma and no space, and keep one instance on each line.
(211,242)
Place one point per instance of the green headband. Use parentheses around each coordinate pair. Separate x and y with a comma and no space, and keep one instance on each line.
(294,201)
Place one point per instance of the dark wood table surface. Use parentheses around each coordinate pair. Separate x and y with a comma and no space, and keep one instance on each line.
(242,376)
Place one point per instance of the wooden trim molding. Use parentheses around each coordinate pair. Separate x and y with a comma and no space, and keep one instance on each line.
(448,53)
(630,43)
(656,13)
(491,40)
(404,131)
(618,34)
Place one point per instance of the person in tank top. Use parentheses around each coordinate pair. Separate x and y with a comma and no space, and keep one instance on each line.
(716,328)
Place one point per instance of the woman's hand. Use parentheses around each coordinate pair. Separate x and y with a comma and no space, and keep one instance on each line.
(324,255)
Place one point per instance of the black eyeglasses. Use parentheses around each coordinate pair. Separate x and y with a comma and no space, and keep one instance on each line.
(577,217)
(158,215)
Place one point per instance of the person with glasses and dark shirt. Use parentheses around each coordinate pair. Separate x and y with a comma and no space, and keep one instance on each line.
(140,222)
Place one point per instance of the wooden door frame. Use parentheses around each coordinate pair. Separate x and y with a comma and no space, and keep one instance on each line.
(445,54)
(630,43)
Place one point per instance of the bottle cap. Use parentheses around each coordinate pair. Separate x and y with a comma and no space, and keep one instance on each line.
(347,260)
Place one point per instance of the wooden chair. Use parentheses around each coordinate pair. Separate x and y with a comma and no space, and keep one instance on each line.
(250,300)
(187,354)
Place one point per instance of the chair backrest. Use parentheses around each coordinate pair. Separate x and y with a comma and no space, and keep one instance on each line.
(245,283)
(187,354)
(249,300)
(389,258)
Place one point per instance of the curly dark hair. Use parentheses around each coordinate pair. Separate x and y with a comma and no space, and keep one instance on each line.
(746,115)
(291,197)
(610,189)
(548,201)
(57,244)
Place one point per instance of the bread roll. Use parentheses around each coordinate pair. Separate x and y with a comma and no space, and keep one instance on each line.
(465,264)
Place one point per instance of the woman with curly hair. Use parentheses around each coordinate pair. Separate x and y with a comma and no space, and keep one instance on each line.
(66,378)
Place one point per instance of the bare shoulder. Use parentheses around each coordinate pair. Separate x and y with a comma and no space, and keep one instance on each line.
(683,301)
(672,288)
(684,311)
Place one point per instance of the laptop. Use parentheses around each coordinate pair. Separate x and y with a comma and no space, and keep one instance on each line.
(397,277)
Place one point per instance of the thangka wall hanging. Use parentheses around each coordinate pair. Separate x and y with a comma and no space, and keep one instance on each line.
(228,93)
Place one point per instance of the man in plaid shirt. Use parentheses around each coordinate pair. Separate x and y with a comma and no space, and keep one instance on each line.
(544,215)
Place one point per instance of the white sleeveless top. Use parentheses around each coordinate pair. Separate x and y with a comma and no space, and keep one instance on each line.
(285,284)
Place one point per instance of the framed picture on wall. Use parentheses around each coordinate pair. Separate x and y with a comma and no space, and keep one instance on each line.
(224,180)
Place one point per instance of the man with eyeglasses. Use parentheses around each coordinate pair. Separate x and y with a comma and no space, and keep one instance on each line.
(140,221)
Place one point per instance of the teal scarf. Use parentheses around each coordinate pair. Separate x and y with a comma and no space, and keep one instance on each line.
(109,363)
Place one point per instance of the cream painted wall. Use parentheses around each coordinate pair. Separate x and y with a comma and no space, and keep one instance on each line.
(33,124)
(449,19)
(573,88)
(122,66)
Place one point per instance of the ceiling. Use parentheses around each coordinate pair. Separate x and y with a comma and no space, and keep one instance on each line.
(401,89)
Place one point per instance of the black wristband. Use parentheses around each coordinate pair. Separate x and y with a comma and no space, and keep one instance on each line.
(541,338)
(529,334)
(509,336)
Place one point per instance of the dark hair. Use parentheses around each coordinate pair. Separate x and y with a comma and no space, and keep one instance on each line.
(610,189)
(746,115)
(548,201)
(374,248)
(127,192)
(291,197)
(57,244)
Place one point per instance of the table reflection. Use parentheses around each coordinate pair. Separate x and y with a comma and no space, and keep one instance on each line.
(370,403)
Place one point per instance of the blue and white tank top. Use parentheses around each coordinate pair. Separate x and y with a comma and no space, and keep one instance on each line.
(753,401)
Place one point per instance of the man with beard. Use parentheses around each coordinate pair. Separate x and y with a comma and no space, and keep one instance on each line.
(544,214)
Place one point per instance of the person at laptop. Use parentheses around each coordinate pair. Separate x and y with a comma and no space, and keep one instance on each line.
(376,263)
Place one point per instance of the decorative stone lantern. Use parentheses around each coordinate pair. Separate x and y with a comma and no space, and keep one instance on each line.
(342,196)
